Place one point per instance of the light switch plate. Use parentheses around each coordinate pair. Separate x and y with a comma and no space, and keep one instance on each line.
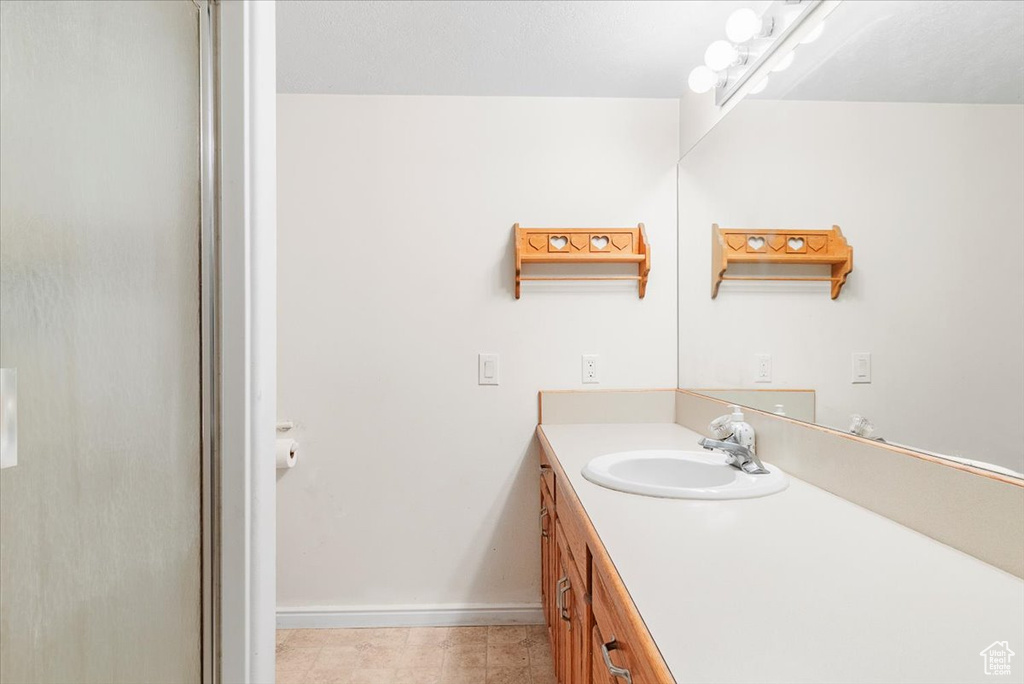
(8,417)
(487,370)
(861,368)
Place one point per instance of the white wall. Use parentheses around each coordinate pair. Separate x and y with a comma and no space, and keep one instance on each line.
(930,198)
(416,486)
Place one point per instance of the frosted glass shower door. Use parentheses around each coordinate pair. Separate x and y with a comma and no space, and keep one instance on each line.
(100,523)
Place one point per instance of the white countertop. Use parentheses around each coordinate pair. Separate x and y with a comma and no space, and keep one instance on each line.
(800,586)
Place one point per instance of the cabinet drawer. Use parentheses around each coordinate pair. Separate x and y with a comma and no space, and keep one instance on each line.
(575,535)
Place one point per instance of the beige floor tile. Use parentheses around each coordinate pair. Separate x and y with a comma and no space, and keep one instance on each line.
(389,636)
(503,634)
(338,658)
(377,657)
(541,675)
(417,675)
(308,637)
(466,656)
(292,677)
(296,657)
(537,632)
(423,655)
(507,655)
(427,635)
(282,635)
(467,635)
(342,637)
(540,655)
(371,676)
(328,675)
(468,675)
(508,675)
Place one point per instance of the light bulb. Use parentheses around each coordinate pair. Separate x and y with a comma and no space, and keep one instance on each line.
(721,55)
(759,88)
(785,62)
(744,24)
(702,79)
(814,35)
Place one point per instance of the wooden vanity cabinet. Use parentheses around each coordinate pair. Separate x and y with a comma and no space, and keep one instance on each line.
(586,606)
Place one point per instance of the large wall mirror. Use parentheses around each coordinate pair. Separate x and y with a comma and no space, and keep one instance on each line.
(903,124)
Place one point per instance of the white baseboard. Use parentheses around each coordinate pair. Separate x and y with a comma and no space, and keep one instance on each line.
(445,615)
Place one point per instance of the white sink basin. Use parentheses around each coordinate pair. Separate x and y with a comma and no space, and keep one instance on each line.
(680,474)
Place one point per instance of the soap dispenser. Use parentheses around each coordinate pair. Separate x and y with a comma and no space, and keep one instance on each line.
(742,431)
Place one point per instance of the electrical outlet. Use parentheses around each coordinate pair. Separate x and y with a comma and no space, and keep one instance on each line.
(762,367)
(590,376)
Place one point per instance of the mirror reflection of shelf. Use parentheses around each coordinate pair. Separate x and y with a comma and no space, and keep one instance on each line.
(753,246)
(583,246)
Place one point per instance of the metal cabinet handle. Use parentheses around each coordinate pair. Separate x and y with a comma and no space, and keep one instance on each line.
(619,672)
(543,514)
(563,586)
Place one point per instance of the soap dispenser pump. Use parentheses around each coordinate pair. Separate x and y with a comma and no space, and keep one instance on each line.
(742,431)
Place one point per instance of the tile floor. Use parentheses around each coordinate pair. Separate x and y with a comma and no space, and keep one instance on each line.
(417,655)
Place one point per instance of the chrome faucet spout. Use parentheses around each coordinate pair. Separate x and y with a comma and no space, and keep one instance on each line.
(736,455)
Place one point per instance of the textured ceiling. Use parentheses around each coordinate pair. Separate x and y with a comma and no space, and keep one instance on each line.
(596,49)
(911,51)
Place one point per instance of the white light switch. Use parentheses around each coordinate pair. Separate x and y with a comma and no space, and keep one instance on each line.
(861,368)
(590,376)
(762,367)
(487,373)
(8,417)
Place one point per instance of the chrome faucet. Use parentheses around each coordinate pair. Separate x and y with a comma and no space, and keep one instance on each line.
(735,438)
(736,454)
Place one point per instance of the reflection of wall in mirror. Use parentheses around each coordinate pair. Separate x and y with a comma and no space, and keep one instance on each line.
(792,403)
(930,197)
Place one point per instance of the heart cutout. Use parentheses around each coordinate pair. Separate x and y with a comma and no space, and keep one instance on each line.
(735,241)
(578,242)
(776,242)
(599,242)
(621,241)
(816,242)
(795,244)
(558,242)
(536,241)
(755,243)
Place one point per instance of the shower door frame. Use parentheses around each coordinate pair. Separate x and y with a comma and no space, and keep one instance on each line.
(208,252)
(238,309)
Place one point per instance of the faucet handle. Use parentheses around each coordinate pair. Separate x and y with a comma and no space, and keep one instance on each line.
(721,427)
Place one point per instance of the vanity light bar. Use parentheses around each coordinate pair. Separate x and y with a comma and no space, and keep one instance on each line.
(752,40)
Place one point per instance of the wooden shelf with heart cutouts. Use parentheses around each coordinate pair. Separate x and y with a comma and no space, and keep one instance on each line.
(583,246)
(752,246)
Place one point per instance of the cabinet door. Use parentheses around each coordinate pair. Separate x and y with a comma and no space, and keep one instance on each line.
(547,557)
(617,648)
(578,635)
(560,641)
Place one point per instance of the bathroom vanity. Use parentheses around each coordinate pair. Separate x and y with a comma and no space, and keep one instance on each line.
(797,586)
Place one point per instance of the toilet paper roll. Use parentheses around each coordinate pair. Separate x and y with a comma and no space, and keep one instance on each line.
(286,452)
